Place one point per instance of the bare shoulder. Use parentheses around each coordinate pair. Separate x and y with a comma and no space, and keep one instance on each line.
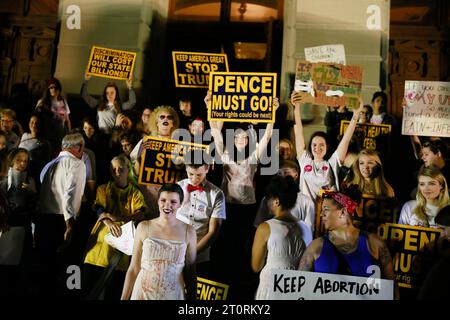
(376,244)
(316,245)
(263,231)
(142,229)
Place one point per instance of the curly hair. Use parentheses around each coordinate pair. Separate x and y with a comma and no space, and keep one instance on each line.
(155,115)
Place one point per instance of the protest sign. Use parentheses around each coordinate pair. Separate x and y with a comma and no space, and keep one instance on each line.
(370,136)
(158,164)
(303,285)
(192,69)
(111,63)
(242,96)
(427,110)
(412,249)
(332,53)
(371,213)
(329,84)
(211,290)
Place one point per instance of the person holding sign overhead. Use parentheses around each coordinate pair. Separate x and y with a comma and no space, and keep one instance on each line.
(239,168)
(317,171)
(163,262)
(345,249)
(432,195)
(109,105)
(162,123)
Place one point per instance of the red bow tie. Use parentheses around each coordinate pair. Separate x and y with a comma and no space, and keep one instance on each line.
(191,188)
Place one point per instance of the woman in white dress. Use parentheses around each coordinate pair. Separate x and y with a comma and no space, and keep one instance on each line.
(279,242)
(432,195)
(163,263)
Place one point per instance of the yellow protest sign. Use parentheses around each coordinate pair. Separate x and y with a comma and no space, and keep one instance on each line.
(158,164)
(111,63)
(242,96)
(412,249)
(211,290)
(192,69)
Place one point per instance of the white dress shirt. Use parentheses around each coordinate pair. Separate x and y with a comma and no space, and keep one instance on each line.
(199,207)
(63,187)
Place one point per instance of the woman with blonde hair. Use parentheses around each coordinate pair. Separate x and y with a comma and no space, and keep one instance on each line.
(163,122)
(432,195)
(367,173)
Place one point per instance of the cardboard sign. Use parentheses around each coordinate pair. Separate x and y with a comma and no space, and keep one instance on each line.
(371,213)
(125,242)
(211,290)
(242,97)
(427,111)
(412,250)
(329,84)
(192,69)
(332,53)
(303,285)
(370,136)
(157,166)
(111,63)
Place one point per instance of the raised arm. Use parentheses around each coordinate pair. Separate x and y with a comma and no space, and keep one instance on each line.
(345,142)
(135,264)
(214,124)
(131,96)
(296,99)
(90,101)
(268,133)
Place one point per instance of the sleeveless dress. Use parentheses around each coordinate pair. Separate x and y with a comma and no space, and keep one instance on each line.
(161,274)
(284,249)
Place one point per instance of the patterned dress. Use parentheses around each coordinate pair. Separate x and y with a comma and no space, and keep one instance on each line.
(161,275)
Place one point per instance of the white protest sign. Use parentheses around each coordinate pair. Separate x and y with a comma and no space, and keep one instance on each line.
(427,110)
(303,285)
(125,242)
(332,53)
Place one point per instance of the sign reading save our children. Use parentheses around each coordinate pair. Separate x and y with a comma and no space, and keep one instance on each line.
(303,285)
(111,63)
(192,69)
(427,109)
(242,96)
